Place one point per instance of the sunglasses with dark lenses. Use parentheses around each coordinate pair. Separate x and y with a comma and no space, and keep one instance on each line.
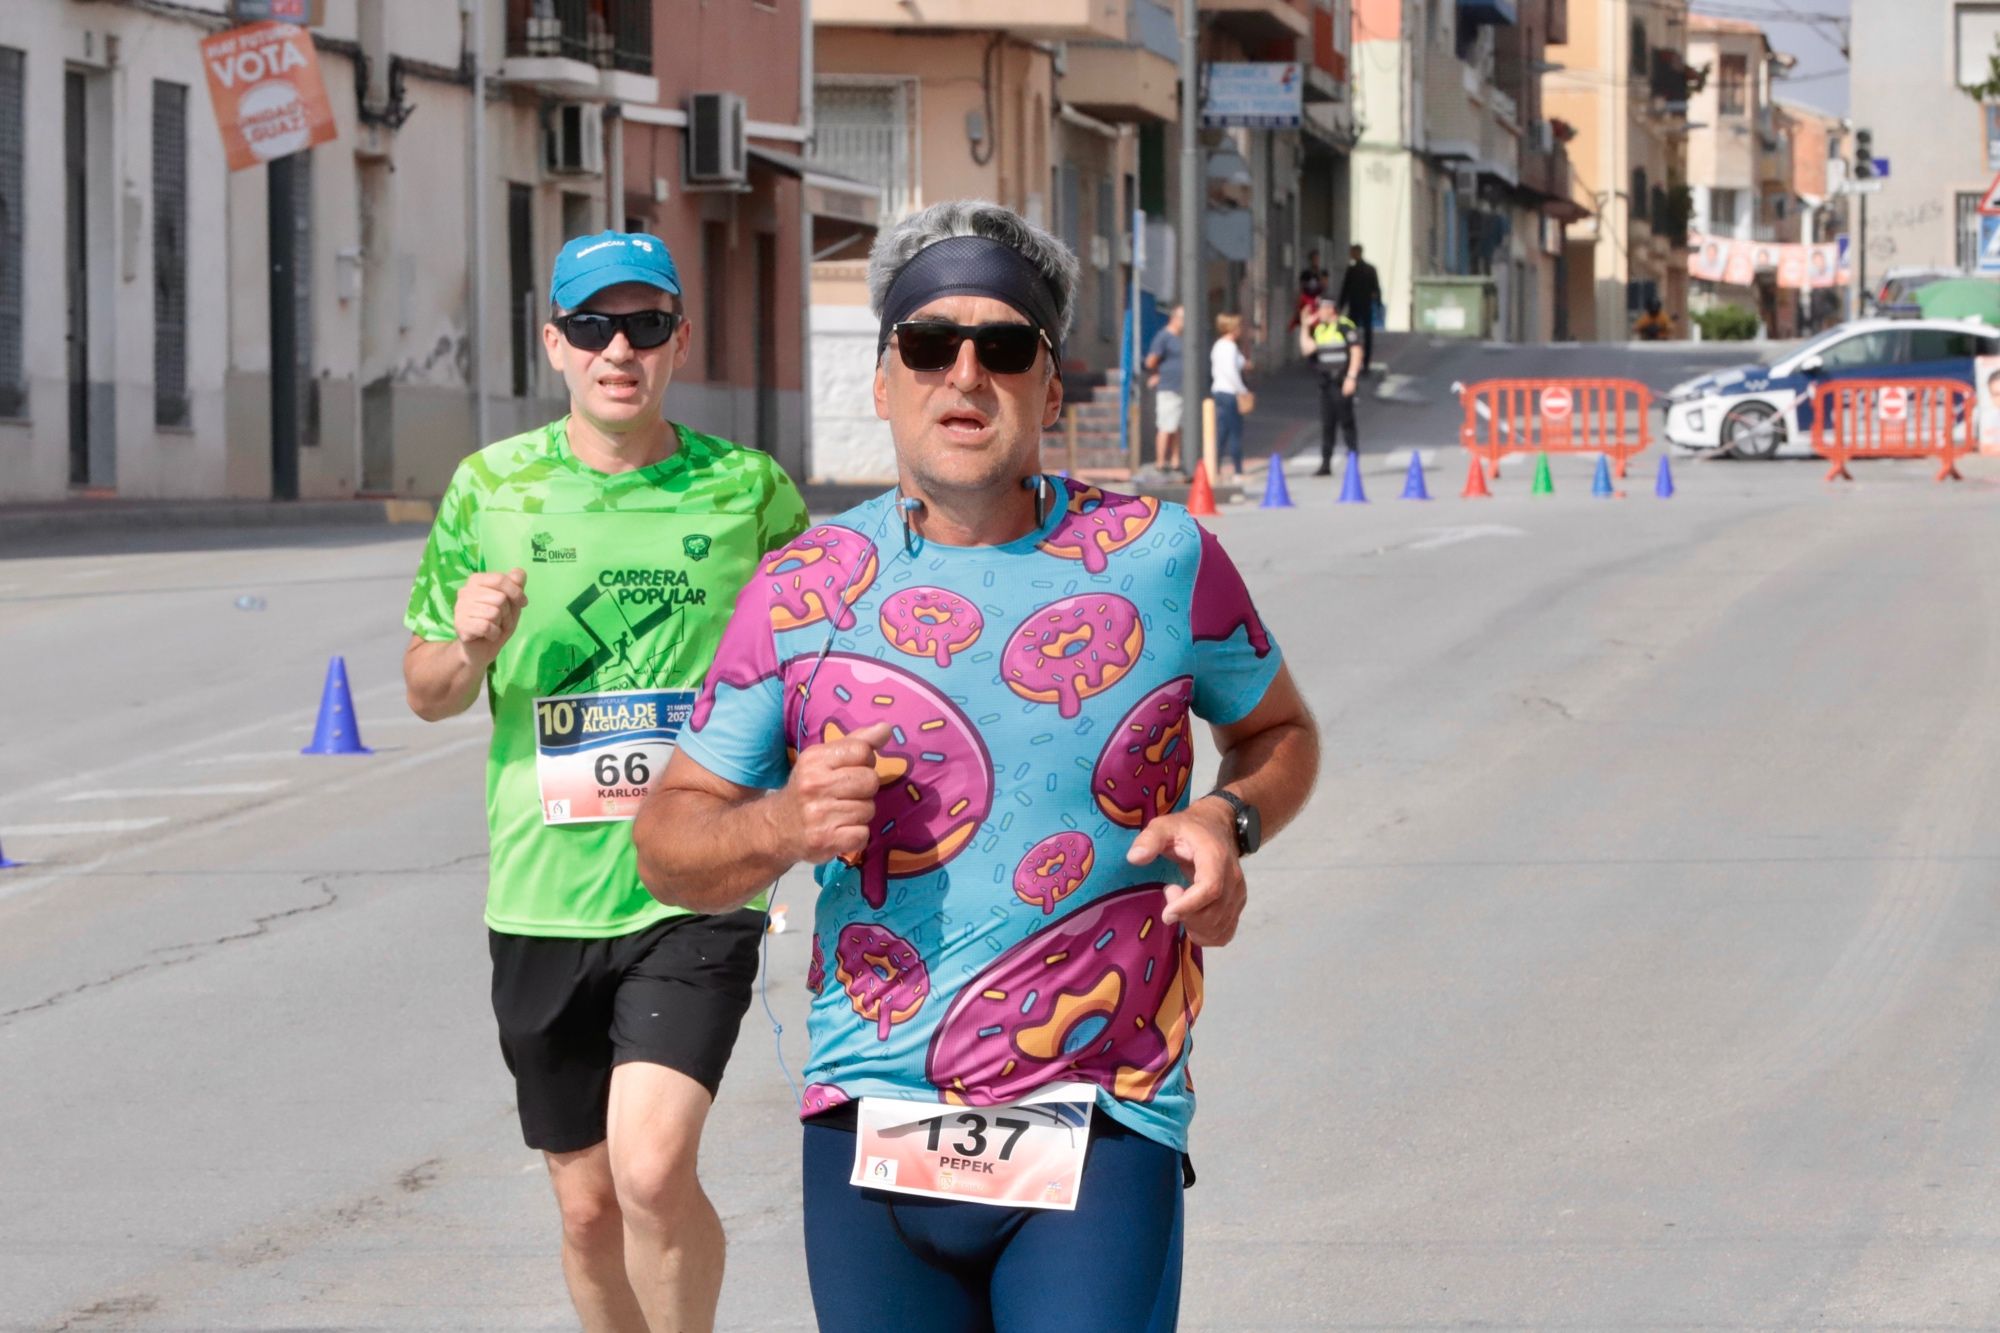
(1004,349)
(588,331)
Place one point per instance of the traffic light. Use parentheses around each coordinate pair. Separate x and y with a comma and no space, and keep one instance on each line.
(1864,154)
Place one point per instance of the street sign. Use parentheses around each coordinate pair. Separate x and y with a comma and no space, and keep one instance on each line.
(1989,243)
(270,101)
(1555,404)
(1893,405)
(1989,203)
(1879,168)
(1252,95)
(1869,186)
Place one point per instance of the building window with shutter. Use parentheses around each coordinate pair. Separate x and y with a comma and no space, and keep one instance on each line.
(866,129)
(1732,83)
(13,208)
(170,380)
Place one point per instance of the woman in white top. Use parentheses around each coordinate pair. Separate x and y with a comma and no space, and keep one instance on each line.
(1226,364)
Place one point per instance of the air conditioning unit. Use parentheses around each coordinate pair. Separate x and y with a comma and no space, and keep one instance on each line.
(574,143)
(715,140)
(1465,180)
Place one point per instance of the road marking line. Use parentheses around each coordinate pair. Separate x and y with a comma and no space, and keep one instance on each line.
(1442,537)
(80,829)
(242,757)
(373,772)
(153,793)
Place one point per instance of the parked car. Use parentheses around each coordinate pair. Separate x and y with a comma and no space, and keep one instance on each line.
(1896,298)
(1758,411)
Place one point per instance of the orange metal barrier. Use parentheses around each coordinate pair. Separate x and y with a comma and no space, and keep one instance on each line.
(1611,417)
(1893,419)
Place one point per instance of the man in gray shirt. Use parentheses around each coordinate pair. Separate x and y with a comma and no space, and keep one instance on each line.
(1163,374)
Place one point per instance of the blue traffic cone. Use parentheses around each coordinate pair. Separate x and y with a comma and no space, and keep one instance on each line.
(1600,485)
(1413,480)
(1663,485)
(1276,494)
(337,731)
(6,864)
(1350,483)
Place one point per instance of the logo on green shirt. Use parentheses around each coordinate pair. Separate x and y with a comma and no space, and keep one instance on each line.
(696,545)
(543,552)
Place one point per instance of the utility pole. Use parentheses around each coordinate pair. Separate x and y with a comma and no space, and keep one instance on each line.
(1194,189)
(281,207)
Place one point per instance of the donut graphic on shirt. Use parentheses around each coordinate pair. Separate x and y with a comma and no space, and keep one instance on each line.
(818,575)
(1105,994)
(1072,649)
(1099,524)
(1148,758)
(935,773)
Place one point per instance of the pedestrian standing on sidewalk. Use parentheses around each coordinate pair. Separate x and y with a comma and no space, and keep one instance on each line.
(1360,293)
(1163,372)
(582,575)
(1331,342)
(1226,364)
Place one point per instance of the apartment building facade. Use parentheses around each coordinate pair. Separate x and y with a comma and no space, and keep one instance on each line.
(1740,164)
(1460,171)
(1911,62)
(1621,83)
(410,353)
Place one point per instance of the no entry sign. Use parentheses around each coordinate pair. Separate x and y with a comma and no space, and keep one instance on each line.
(1893,405)
(1555,404)
(269,98)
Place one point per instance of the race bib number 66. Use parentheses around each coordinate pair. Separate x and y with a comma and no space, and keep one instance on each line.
(597,755)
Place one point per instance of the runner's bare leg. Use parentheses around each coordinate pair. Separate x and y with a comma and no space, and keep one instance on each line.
(593,1250)
(674,1246)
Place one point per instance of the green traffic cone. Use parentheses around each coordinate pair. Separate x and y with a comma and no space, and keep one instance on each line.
(1544,484)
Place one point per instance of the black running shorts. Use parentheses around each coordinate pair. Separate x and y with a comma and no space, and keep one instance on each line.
(570,1010)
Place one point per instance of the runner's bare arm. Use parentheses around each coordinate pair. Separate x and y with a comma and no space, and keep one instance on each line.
(710,845)
(1269,759)
(441,677)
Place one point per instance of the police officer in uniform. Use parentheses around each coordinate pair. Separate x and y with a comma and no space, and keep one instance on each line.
(1331,342)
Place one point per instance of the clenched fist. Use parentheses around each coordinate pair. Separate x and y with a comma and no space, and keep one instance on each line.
(488,609)
(830,799)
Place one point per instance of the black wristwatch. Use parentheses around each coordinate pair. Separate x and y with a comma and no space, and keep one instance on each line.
(1249,825)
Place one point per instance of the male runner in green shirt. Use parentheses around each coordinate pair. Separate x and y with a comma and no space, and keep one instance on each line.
(584,573)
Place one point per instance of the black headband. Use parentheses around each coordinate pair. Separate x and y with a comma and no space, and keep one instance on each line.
(971,266)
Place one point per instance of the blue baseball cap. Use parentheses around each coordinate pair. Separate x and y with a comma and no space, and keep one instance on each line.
(589,264)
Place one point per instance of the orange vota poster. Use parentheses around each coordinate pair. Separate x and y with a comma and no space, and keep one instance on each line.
(269,99)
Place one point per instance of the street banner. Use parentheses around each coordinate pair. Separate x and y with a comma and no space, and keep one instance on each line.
(1792,266)
(1257,96)
(269,99)
(1708,260)
(1986,387)
(1822,265)
(1741,268)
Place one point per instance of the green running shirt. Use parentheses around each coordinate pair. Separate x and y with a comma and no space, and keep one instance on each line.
(631,580)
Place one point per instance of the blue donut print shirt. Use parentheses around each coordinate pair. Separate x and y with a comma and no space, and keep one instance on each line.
(1042,695)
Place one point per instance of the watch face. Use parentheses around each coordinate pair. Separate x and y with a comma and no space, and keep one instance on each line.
(1249,830)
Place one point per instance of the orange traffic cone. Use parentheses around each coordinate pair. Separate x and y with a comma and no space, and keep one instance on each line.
(1475,483)
(1201,496)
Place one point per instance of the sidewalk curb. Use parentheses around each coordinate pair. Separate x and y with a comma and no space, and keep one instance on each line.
(94,517)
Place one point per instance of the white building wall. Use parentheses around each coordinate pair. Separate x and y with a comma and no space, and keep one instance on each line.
(1904,89)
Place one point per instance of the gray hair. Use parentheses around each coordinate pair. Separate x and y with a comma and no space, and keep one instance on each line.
(976,217)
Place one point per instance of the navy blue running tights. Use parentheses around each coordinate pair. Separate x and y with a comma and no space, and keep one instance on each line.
(896,1261)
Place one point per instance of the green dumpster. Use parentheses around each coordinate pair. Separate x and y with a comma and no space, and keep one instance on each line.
(1454,306)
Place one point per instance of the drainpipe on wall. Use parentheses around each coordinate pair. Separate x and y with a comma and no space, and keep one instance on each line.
(476,282)
(614,171)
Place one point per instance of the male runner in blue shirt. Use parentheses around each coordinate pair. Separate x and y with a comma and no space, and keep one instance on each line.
(971,701)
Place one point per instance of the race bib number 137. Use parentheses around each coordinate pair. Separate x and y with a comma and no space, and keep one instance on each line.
(597,755)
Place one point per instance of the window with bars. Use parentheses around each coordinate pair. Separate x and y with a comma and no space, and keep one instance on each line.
(170,380)
(866,130)
(13,208)
(1968,230)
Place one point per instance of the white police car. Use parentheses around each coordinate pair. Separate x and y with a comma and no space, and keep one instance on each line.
(1757,411)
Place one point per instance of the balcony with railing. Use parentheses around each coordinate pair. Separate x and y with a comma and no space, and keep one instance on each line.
(1256,23)
(1055,20)
(588,50)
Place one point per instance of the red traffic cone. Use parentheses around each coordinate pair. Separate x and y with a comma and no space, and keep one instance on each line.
(1201,496)
(1475,483)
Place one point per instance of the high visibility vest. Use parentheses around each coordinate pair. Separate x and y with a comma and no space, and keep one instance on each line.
(1330,342)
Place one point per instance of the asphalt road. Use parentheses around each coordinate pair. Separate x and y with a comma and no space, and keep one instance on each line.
(1637,965)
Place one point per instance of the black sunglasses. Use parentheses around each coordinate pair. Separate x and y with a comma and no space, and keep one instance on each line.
(1004,349)
(589,331)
